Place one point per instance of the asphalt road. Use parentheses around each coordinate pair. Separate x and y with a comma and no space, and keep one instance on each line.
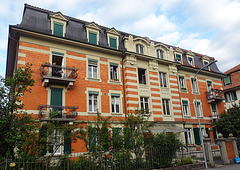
(227,167)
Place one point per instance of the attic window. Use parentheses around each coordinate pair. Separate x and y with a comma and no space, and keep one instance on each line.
(113,42)
(92,37)
(205,63)
(58,29)
(139,48)
(159,53)
(190,61)
(179,58)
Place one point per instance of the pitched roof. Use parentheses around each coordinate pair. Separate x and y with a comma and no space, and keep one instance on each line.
(236,68)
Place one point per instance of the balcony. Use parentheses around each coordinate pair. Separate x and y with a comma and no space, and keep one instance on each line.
(215,96)
(55,74)
(57,113)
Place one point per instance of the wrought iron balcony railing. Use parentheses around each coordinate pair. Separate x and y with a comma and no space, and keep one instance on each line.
(62,113)
(59,71)
(215,96)
(58,75)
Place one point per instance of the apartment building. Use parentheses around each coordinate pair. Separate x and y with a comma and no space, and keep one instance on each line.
(232,86)
(83,68)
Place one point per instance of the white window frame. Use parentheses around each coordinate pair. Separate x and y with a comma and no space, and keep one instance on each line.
(214,114)
(165,106)
(163,79)
(144,102)
(182,82)
(191,63)
(93,102)
(113,99)
(206,64)
(55,136)
(200,108)
(145,75)
(189,136)
(139,49)
(231,96)
(194,85)
(186,109)
(112,72)
(160,53)
(180,57)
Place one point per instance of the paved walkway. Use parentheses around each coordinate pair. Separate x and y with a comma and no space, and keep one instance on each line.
(227,167)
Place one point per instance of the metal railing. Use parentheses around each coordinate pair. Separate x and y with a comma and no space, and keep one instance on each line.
(153,158)
(57,112)
(215,94)
(58,71)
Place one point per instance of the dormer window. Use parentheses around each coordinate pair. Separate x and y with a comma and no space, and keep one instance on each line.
(205,63)
(93,33)
(159,54)
(58,24)
(190,61)
(92,37)
(179,58)
(139,48)
(58,29)
(113,42)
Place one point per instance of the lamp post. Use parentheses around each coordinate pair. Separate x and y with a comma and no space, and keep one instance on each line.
(197,111)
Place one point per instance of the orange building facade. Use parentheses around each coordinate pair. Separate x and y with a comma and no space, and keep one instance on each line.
(83,68)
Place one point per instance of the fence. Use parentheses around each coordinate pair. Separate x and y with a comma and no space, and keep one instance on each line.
(152,158)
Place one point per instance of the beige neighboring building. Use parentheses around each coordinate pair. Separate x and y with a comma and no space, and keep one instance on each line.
(232,86)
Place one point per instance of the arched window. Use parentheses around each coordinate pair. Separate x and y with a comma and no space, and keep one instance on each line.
(159,53)
(139,48)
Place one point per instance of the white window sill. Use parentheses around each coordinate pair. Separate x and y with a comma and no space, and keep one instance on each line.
(183,91)
(115,82)
(116,113)
(93,79)
(187,116)
(197,93)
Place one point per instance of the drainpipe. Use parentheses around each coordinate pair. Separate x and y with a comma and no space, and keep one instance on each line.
(124,90)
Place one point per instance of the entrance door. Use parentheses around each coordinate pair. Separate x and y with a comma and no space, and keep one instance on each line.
(56,100)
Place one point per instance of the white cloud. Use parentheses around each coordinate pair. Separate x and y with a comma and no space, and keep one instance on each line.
(169,38)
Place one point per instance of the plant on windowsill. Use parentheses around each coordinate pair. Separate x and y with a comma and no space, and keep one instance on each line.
(54,64)
(183,88)
(115,79)
(53,114)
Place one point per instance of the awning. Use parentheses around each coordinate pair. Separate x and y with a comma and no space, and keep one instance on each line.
(157,128)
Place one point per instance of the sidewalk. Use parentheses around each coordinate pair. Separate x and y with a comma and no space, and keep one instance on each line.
(226,167)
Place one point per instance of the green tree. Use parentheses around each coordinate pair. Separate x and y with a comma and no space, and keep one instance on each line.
(229,122)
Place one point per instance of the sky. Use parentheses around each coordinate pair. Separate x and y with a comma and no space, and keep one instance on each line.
(208,27)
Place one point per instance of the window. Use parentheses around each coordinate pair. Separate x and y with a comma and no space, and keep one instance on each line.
(162,77)
(139,48)
(185,108)
(198,109)
(141,76)
(232,96)
(115,103)
(205,63)
(188,137)
(57,62)
(144,103)
(159,53)
(92,68)
(92,37)
(227,81)
(190,61)
(113,42)
(178,58)
(93,101)
(58,29)
(194,85)
(196,136)
(166,108)
(182,83)
(209,86)
(214,110)
(54,142)
(114,71)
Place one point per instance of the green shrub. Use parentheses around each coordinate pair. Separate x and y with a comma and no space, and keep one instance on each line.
(185,161)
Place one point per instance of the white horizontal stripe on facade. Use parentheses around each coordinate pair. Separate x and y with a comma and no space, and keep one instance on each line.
(131,89)
(176,100)
(156,104)
(156,98)
(174,94)
(153,76)
(176,105)
(132,95)
(34,50)
(157,115)
(174,89)
(21,55)
(214,83)
(156,109)
(154,81)
(177,111)
(21,62)
(130,77)
(76,57)
(154,86)
(132,102)
(173,84)
(174,79)
(131,83)
(132,72)
(132,108)
(204,81)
